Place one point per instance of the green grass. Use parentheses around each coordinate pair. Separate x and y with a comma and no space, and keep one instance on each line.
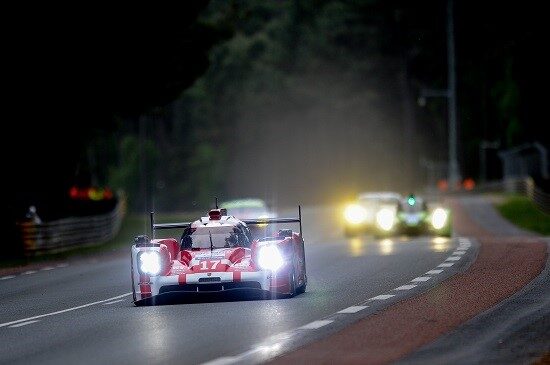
(523,213)
(132,225)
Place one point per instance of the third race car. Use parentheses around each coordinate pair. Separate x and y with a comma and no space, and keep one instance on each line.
(414,216)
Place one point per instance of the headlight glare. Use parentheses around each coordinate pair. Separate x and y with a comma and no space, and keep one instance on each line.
(439,218)
(150,263)
(270,258)
(355,214)
(385,219)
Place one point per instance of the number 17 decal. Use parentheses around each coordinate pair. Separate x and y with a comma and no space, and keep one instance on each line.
(212,263)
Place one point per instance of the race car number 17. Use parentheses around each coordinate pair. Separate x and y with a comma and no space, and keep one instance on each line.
(206,263)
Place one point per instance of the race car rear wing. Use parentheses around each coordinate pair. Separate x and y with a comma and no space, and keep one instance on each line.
(259,221)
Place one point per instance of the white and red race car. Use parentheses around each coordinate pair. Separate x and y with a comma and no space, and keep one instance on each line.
(216,254)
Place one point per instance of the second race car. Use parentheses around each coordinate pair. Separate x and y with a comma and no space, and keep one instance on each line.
(360,216)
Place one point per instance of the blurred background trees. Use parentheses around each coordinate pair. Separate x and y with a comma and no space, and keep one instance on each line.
(304,100)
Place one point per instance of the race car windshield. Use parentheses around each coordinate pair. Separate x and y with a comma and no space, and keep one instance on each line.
(415,208)
(377,203)
(221,237)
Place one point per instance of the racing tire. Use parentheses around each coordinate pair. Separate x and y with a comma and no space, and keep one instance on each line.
(302,288)
(292,280)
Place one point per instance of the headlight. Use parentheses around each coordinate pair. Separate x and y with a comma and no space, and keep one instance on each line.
(263,216)
(269,258)
(150,263)
(439,218)
(355,214)
(385,218)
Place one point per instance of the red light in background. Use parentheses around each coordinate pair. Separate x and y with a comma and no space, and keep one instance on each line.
(469,184)
(442,185)
(90,193)
(107,194)
(73,192)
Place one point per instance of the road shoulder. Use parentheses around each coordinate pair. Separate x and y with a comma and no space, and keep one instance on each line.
(505,264)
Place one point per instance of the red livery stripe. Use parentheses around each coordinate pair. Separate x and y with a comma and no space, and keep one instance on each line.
(143,278)
(182,279)
(236,276)
(145,290)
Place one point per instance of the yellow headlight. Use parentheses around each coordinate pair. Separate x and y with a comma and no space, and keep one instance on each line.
(355,214)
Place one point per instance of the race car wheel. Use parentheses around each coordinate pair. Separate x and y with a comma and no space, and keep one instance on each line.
(292,281)
(302,288)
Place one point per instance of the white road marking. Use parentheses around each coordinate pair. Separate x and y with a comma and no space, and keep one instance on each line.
(223,360)
(265,350)
(383,297)
(406,287)
(64,310)
(24,324)
(113,302)
(446,264)
(421,279)
(47,268)
(62,265)
(29,272)
(316,324)
(7,277)
(353,309)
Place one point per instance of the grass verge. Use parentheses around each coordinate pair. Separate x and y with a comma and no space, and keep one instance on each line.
(523,213)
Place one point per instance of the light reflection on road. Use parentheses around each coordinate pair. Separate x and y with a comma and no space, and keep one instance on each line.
(440,244)
(360,246)
(357,247)
(385,246)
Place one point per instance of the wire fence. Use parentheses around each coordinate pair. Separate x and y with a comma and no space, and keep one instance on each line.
(63,234)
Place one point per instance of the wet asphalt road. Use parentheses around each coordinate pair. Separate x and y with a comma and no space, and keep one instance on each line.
(342,272)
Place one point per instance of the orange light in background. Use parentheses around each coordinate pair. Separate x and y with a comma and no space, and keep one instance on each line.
(107,194)
(469,184)
(442,185)
(95,194)
(90,193)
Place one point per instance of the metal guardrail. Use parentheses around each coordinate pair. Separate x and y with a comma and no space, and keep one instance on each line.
(67,233)
(537,196)
(523,186)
